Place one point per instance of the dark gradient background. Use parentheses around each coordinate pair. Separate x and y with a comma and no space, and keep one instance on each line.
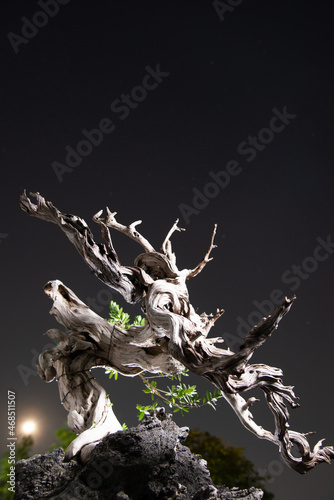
(225,78)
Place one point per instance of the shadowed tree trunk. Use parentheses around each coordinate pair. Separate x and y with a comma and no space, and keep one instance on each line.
(174,337)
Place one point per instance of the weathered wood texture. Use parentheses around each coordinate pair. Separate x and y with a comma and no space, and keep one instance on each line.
(174,337)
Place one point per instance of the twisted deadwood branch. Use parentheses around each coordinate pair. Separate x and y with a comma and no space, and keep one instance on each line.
(174,338)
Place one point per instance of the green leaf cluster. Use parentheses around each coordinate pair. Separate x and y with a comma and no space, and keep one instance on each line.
(112,373)
(64,438)
(122,319)
(179,397)
(145,410)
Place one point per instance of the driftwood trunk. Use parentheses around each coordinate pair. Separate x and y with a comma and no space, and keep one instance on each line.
(174,337)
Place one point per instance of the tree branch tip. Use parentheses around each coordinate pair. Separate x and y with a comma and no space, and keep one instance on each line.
(97,215)
(177,227)
(109,212)
(250,403)
(134,224)
(311,433)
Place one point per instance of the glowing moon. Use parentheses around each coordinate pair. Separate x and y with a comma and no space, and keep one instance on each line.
(29,427)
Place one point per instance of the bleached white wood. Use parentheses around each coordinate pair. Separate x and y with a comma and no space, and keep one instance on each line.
(173,338)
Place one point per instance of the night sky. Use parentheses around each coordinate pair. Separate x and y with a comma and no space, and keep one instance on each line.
(165,110)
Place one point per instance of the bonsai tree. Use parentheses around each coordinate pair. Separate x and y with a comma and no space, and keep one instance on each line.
(173,338)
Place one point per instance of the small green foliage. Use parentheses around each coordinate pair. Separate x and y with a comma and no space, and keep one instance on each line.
(64,437)
(211,399)
(122,319)
(139,321)
(117,316)
(112,373)
(180,397)
(145,410)
(184,396)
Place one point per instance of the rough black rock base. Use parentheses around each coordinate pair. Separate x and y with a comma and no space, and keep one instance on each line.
(147,462)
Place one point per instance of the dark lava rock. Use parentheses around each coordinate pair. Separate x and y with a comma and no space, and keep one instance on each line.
(147,462)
